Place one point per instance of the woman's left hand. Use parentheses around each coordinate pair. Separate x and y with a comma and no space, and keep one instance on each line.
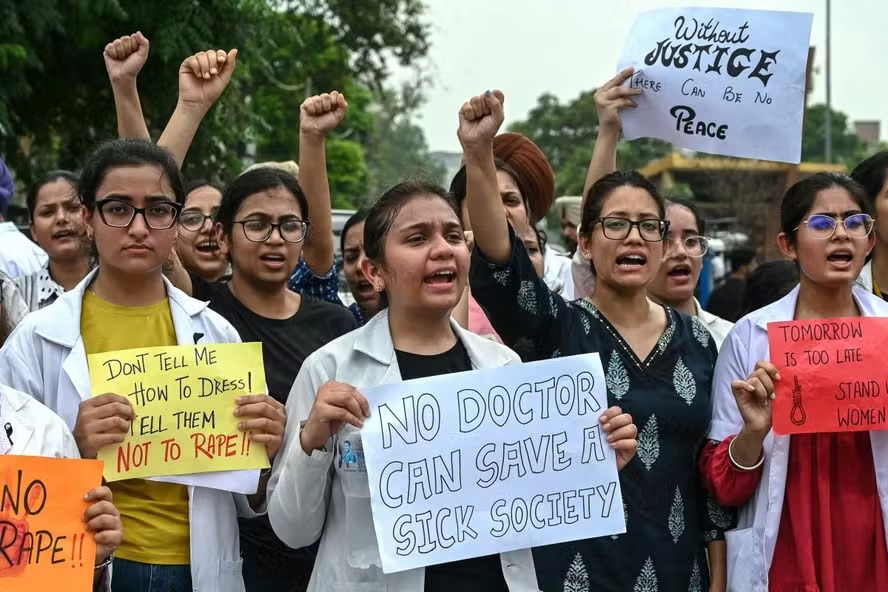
(265,418)
(103,520)
(621,433)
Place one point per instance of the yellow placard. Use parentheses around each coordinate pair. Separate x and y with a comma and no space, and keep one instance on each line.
(184,398)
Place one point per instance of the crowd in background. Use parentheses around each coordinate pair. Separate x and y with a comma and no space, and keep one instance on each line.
(127,254)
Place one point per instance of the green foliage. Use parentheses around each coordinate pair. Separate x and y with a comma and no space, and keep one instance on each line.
(567,133)
(847,148)
(56,104)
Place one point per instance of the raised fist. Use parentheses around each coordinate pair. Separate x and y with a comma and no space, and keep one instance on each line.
(124,57)
(322,113)
(480,119)
(203,77)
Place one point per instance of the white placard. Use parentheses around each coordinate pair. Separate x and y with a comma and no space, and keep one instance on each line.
(723,81)
(475,463)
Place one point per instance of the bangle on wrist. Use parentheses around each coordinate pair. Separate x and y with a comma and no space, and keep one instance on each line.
(737,465)
(106,563)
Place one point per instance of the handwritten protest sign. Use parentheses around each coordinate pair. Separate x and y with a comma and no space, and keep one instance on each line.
(720,80)
(44,544)
(833,377)
(475,463)
(184,398)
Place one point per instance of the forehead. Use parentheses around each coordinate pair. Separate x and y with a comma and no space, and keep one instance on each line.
(354,237)
(629,200)
(56,191)
(271,202)
(135,181)
(834,200)
(203,198)
(429,210)
(507,182)
(681,219)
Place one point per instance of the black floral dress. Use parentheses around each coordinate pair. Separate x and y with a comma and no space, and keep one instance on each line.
(669,521)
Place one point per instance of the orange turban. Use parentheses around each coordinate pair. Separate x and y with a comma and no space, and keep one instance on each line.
(537,180)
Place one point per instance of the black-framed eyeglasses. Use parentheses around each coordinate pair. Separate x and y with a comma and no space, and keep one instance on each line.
(259,231)
(858,225)
(652,230)
(694,246)
(194,220)
(120,214)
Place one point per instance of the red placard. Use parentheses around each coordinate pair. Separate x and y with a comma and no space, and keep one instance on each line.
(834,375)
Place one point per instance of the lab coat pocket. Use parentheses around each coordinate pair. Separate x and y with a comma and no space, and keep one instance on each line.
(363,552)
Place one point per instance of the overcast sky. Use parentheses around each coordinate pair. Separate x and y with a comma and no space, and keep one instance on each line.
(529,47)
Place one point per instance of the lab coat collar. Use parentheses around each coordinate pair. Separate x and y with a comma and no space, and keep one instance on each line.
(64,328)
(375,340)
(66,332)
(784,308)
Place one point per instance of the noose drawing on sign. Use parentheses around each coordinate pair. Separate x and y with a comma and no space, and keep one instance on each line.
(797,415)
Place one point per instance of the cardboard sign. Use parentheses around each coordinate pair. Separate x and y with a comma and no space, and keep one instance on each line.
(720,80)
(44,544)
(833,377)
(469,464)
(184,398)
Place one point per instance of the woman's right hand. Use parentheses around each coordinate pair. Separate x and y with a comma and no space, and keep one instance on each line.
(754,396)
(102,421)
(480,118)
(337,403)
(613,96)
(125,56)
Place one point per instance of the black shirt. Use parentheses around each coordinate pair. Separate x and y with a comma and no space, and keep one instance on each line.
(727,300)
(285,345)
(478,574)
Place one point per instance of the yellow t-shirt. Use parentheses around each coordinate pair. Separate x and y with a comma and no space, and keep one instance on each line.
(154,514)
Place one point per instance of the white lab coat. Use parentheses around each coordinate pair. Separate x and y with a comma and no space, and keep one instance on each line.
(34,429)
(19,255)
(717,326)
(311,497)
(751,545)
(45,357)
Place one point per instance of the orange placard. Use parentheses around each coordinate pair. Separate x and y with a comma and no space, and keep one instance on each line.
(834,377)
(44,544)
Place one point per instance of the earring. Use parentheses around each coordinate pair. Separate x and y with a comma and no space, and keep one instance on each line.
(89,234)
(378,287)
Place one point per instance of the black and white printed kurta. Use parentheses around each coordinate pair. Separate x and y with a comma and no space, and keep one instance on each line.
(668,519)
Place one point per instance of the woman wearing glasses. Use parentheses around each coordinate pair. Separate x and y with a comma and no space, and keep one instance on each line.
(186,536)
(679,272)
(262,223)
(813,506)
(198,246)
(658,363)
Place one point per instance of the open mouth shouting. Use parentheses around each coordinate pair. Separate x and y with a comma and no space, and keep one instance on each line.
(273,261)
(841,258)
(68,233)
(631,262)
(207,247)
(444,279)
(680,272)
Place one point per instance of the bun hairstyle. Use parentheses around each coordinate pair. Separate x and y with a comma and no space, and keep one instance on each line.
(532,171)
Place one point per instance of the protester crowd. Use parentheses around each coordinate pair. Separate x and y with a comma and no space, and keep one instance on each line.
(127,254)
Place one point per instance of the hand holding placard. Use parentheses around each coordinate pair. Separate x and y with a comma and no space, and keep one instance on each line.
(102,421)
(621,433)
(103,519)
(613,96)
(44,540)
(336,404)
(189,409)
(754,396)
